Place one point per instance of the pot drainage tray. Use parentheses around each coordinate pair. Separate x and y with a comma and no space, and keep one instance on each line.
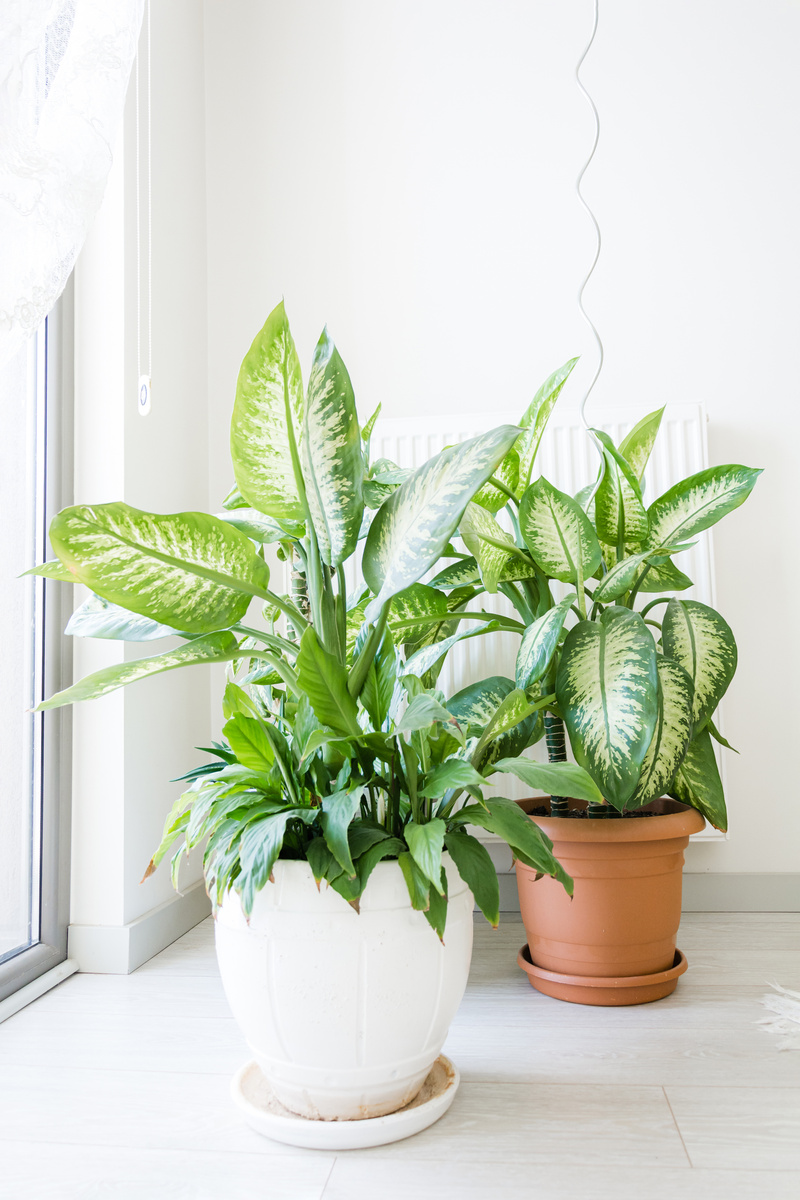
(600,989)
(253,1096)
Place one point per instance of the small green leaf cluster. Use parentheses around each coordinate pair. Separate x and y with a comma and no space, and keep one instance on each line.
(638,707)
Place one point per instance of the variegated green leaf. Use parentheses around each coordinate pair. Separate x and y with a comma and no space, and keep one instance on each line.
(491,545)
(558,533)
(466,571)
(187,570)
(366,432)
(98,618)
(607,689)
(415,524)
(52,570)
(426,657)
(637,446)
(267,420)
(702,642)
(414,611)
(259,527)
(534,421)
(698,783)
(672,733)
(698,502)
(665,578)
(619,514)
(216,647)
(622,577)
(494,498)
(539,642)
(515,710)
(333,465)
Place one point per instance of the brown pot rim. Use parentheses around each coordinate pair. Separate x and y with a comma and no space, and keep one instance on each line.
(602,981)
(681,821)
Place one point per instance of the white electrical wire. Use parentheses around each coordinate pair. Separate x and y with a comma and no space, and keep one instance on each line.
(144,377)
(593,219)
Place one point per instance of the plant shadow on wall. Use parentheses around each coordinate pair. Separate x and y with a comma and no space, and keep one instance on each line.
(342,764)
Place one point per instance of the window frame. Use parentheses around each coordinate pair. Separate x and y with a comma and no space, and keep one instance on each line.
(53,740)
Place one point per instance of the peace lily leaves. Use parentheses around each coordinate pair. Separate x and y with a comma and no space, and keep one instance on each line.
(672,733)
(333,464)
(607,691)
(491,545)
(702,642)
(324,680)
(216,647)
(267,420)
(698,783)
(539,642)
(528,843)
(475,866)
(560,779)
(98,618)
(425,843)
(558,533)
(186,570)
(620,515)
(699,502)
(414,525)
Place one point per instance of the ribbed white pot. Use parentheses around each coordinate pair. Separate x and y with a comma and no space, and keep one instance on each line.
(345,1012)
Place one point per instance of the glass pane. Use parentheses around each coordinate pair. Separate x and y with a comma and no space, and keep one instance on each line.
(22,506)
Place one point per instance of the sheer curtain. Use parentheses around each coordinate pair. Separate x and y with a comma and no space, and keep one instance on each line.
(64,68)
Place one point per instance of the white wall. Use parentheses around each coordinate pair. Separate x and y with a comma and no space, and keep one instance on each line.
(404,171)
(130,744)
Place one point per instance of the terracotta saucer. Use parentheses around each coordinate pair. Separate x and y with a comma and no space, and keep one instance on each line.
(253,1097)
(598,989)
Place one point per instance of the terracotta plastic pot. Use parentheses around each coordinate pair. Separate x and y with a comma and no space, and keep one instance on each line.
(344,1012)
(621,924)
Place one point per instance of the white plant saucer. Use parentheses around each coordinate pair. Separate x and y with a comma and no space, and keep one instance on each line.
(252,1095)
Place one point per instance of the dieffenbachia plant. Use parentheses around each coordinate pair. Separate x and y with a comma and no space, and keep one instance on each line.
(337,747)
(637,695)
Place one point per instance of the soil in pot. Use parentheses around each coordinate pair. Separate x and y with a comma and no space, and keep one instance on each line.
(623,919)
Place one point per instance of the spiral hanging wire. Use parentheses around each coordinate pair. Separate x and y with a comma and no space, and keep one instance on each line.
(593,219)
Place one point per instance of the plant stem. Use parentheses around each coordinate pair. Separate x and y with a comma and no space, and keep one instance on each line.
(501,487)
(653,603)
(556,752)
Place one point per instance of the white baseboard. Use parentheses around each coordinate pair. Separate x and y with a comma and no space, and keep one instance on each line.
(120,949)
(708,892)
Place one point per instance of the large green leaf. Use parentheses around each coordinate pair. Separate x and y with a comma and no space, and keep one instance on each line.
(474,865)
(557,779)
(425,843)
(534,420)
(702,642)
(248,740)
(672,733)
(491,545)
(324,680)
(333,465)
(698,783)
(698,502)
(267,420)
(187,570)
(637,446)
(52,570)
(376,694)
(454,773)
(528,843)
(338,810)
(558,533)
(216,647)
(539,642)
(417,882)
(412,528)
(607,689)
(98,618)
(619,514)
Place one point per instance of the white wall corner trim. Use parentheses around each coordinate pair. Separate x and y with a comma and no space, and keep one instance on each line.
(120,949)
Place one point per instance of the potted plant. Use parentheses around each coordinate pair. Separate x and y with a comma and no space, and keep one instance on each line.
(338,856)
(636,694)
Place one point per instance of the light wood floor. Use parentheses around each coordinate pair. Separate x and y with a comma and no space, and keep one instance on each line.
(116,1088)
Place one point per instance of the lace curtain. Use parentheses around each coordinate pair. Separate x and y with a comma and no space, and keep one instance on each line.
(64,68)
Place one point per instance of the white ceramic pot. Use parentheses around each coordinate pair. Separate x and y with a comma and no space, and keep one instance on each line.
(345,1012)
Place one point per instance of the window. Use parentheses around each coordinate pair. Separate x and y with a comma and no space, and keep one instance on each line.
(34,658)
